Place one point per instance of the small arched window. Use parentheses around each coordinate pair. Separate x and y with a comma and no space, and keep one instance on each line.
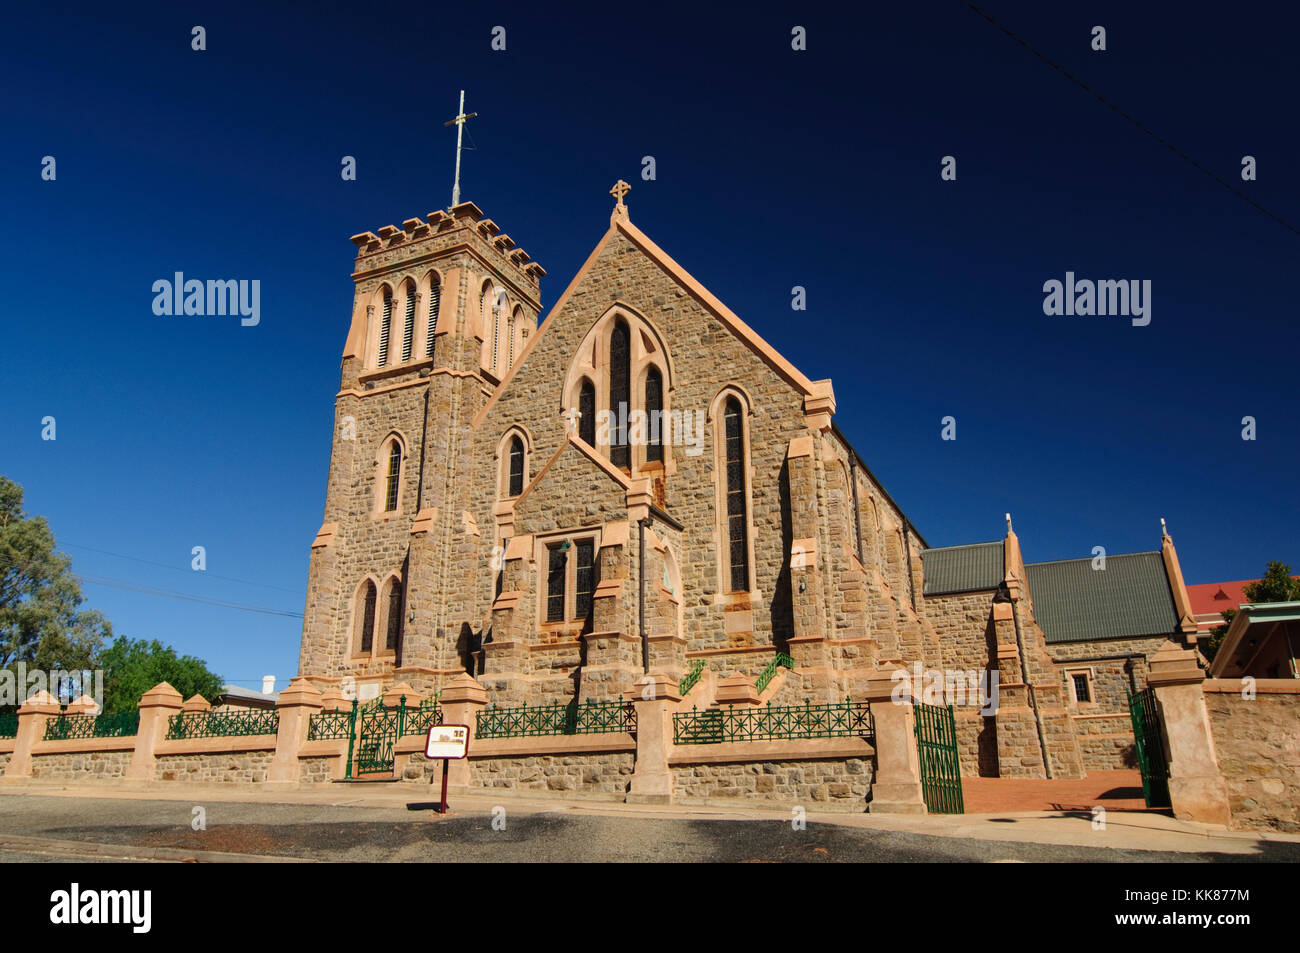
(435,301)
(737,524)
(587,412)
(620,393)
(367,620)
(408,326)
(654,412)
(394,477)
(515,482)
(394,633)
(385,327)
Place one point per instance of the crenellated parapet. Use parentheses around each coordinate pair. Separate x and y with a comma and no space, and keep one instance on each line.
(440,234)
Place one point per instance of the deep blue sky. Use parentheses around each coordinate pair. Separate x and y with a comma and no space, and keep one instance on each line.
(775,168)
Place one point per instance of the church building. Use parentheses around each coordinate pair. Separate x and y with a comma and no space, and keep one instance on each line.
(640,483)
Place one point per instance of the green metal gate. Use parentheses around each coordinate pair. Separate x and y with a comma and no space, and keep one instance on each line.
(1150,747)
(378,730)
(936,745)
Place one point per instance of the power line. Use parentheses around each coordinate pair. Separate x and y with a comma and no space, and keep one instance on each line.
(1142,126)
(149,562)
(118,584)
(8,560)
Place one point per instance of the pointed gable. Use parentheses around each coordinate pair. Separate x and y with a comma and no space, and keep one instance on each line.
(575,487)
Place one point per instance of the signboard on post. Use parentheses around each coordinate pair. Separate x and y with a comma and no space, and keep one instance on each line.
(450,743)
(447,741)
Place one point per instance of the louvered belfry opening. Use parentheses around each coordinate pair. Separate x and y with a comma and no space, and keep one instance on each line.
(435,301)
(385,328)
(408,325)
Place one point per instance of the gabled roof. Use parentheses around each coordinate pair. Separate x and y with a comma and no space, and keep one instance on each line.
(581,447)
(620,225)
(970,568)
(1130,598)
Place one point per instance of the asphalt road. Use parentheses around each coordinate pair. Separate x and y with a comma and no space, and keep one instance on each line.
(337,833)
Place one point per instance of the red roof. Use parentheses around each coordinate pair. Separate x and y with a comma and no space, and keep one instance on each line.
(1211,598)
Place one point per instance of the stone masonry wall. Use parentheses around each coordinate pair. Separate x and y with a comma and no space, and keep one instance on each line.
(819,784)
(234,766)
(1258,745)
(604,773)
(80,766)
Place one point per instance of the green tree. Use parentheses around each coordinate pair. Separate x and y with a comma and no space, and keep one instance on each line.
(1276,586)
(132,667)
(41,622)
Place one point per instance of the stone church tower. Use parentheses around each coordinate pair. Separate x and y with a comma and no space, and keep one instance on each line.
(442,308)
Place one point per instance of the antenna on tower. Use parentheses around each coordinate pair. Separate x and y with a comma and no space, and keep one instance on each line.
(459,123)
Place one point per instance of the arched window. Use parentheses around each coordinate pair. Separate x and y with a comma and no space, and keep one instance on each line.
(516,479)
(394,633)
(435,300)
(620,393)
(654,409)
(367,617)
(385,327)
(408,326)
(587,409)
(737,524)
(394,477)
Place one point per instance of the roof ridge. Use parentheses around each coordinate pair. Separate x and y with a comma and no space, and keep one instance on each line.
(1088,559)
(940,549)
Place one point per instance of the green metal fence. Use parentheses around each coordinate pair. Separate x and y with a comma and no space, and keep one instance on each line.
(9,725)
(223,724)
(936,745)
(556,719)
(844,719)
(1150,747)
(770,672)
(418,720)
(331,725)
(63,727)
(692,677)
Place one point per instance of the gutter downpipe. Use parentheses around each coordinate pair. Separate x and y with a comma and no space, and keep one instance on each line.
(645,636)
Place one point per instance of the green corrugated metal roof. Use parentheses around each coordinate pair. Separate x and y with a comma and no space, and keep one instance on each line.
(962,568)
(1129,598)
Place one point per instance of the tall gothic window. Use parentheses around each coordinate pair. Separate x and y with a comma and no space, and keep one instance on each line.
(737,529)
(408,326)
(620,393)
(556,564)
(394,477)
(516,481)
(587,410)
(435,300)
(394,617)
(368,617)
(654,409)
(586,582)
(385,327)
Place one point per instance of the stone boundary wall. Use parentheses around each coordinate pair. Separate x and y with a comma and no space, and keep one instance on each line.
(86,765)
(210,767)
(822,784)
(1258,746)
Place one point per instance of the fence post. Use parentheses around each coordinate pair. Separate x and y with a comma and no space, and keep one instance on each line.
(296,705)
(157,705)
(655,696)
(462,699)
(32,716)
(896,788)
(1197,791)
